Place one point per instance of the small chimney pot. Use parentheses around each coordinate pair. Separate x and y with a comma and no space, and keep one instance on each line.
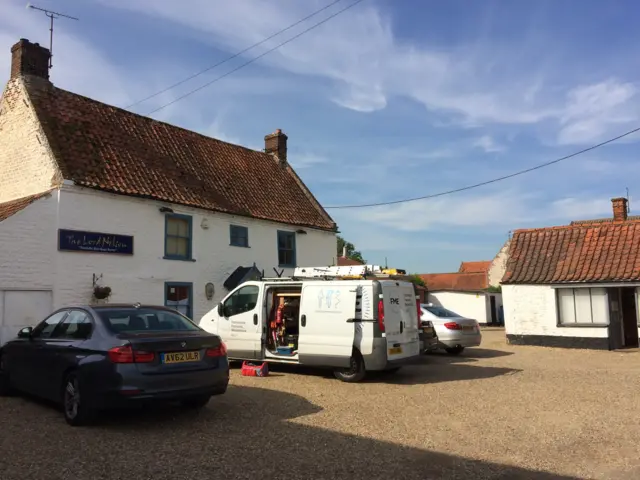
(276,144)
(619,209)
(29,59)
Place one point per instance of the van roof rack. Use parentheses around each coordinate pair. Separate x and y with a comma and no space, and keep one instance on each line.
(350,272)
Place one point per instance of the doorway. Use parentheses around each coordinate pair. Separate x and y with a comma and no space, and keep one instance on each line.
(494,315)
(629,316)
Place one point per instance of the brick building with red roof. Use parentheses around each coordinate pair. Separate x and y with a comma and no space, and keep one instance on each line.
(91,194)
(575,285)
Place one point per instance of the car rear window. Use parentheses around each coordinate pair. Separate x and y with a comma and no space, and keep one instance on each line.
(441,312)
(136,320)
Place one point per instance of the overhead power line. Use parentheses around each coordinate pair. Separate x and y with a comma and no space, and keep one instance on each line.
(160,92)
(495,180)
(191,92)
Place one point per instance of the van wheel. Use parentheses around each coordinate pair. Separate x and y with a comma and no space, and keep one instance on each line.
(454,350)
(355,372)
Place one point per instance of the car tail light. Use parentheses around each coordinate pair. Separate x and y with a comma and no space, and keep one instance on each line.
(381,315)
(419,310)
(126,354)
(452,326)
(219,351)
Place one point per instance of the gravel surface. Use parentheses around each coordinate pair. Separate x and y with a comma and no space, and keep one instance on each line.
(496,412)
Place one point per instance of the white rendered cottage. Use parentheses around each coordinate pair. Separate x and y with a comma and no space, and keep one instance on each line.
(94,196)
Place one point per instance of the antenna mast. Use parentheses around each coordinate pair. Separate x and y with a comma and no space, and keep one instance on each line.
(628,202)
(51,15)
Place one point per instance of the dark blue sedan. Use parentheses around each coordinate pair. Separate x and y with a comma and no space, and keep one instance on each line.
(90,358)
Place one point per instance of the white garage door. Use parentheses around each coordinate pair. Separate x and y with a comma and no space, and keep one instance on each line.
(22,308)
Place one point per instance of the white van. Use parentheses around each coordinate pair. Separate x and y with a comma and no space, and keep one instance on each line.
(350,325)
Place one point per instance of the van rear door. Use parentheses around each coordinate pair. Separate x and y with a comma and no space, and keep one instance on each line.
(327,327)
(400,319)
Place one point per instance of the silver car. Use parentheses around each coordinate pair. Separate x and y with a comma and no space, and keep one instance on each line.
(455,333)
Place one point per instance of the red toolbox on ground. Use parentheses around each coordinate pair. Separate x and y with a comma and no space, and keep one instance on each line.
(252,370)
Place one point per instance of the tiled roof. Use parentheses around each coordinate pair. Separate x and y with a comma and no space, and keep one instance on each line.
(346,261)
(107,148)
(603,220)
(475,267)
(12,207)
(600,252)
(460,282)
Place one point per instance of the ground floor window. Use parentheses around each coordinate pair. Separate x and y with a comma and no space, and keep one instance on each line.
(583,306)
(179,296)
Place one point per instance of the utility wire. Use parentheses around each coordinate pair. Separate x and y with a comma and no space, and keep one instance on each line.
(256,58)
(232,56)
(495,180)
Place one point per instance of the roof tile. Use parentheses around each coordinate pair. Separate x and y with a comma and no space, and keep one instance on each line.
(581,252)
(7,209)
(108,148)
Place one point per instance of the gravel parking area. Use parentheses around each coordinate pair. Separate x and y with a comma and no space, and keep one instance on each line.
(494,412)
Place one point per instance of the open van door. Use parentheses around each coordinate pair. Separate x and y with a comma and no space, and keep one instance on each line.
(240,322)
(327,327)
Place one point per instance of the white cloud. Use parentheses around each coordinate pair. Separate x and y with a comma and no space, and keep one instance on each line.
(594,112)
(501,209)
(306,160)
(488,144)
(367,64)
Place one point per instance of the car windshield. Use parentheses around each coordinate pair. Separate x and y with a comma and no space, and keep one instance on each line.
(441,312)
(143,320)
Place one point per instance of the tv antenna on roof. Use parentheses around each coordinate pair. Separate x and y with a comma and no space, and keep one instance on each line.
(51,15)
(628,201)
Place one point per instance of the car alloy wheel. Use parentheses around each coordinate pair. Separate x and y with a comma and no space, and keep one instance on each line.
(71,398)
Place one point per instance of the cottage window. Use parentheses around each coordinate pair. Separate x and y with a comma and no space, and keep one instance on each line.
(239,236)
(286,249)
(582,306)
(177,245)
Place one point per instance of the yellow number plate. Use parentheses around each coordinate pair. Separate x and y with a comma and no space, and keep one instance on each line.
(181,357)
(395,350)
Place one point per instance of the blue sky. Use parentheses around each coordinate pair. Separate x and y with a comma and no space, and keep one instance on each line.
(392,99)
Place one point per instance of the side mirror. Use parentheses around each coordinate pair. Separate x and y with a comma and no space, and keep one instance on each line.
(220,310)
(25,332)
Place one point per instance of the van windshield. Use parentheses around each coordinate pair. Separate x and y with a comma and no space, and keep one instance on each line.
(441,312)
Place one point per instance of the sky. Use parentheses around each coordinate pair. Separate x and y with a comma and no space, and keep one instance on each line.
(387,101)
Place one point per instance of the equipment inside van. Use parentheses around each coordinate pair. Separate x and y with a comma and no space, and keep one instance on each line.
(352,319)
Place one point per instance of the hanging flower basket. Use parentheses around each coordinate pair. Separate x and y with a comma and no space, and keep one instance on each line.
(101,293)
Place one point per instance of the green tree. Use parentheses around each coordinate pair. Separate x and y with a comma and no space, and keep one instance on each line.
(416,280)
(352,253)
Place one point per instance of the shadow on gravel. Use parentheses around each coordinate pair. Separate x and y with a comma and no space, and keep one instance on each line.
(244,434)
(469,355)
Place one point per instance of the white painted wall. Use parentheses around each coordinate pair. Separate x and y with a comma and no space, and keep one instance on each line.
(29,257)
(499,265)
(531,310)
(470,305)
(26,164)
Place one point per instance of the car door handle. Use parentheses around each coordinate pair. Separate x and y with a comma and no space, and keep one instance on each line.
(255,318)
(303,320)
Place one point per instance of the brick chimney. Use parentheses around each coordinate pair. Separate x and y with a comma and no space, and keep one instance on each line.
(619,209)
(29,59)
(276,144)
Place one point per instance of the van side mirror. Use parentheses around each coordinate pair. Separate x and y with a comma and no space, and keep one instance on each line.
(25,332)
(220,310)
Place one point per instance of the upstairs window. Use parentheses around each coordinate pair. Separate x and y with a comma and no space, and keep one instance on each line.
(286,249)
(239,236)
(178,241)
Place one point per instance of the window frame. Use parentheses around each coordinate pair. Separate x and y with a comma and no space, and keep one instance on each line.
(237,293)
(65,311)
(280,234)
(190,305)
(66,317)
(178,216)
(577,324)
(244,228)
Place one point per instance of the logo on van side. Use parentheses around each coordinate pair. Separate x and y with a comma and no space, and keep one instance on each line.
(394,301)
